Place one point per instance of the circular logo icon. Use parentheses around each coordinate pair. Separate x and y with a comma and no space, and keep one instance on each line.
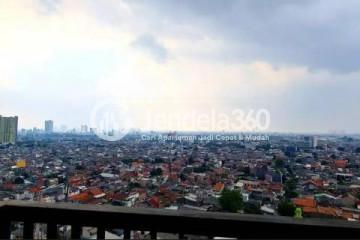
(110,120)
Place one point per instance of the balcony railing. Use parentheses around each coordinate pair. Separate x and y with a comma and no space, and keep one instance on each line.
(182,223)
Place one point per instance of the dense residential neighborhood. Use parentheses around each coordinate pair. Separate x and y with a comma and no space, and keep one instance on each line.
(318,174)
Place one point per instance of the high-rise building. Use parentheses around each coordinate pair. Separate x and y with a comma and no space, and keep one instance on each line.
(49,126)
(8,129)
(92,130)
(314,142)
(84,128)
(311,141)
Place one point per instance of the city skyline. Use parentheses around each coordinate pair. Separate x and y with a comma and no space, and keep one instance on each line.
(300,67)
(179,119)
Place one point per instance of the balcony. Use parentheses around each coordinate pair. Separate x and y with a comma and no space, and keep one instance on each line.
(154,221)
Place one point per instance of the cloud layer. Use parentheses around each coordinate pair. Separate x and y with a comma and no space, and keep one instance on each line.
(58,58)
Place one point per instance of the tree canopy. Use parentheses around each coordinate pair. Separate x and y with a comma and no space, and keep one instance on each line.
(231,201)
(252,208)
(286,208)
(156,172)
(290,188)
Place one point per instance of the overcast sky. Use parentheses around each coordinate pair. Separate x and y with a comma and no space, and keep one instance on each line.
(298,59)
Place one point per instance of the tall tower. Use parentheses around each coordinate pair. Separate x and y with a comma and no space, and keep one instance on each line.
(8,129)
(49,126)
(84,128)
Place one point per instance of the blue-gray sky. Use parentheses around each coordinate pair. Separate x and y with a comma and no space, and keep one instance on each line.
(298,59)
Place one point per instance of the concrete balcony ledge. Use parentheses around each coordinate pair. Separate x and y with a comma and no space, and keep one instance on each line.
(183,222)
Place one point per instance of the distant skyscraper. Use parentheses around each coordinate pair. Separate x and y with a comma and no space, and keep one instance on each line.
(311,141)
(84,128)
(314,142)
(49,126)
(8,129)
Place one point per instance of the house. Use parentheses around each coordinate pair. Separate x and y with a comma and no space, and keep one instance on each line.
(265,196)
(80,198)
(154,202)
(321,212)
(346,201)
(304,202)
(274,177)
(141,193)
(344,177)
(93,195)
(96,193)
(314,184)
(340,163)
(276,187)
(191,199)
(332,212)
(219,187)
(267,210)
(325,199)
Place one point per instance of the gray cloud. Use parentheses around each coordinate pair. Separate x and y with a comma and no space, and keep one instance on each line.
(149,44)
(321,34)
(49,6)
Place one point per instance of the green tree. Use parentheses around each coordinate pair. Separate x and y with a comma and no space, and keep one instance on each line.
(231,201)
(341,149)
(290,188)
(279,163)
(191,159)
(156,172)
(127,161)
(19,180)
(252,208)
(201,169)
(159,160)
(286,208)
(134,185)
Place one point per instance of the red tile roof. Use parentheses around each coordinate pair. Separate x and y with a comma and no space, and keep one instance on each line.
(96,191)
(316,182)
(304,202)
(325,211)
(276,187)
(328,211)
(34,190)
(309,210)
(340,163)
(154,202)
(219,187)
(81,197)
